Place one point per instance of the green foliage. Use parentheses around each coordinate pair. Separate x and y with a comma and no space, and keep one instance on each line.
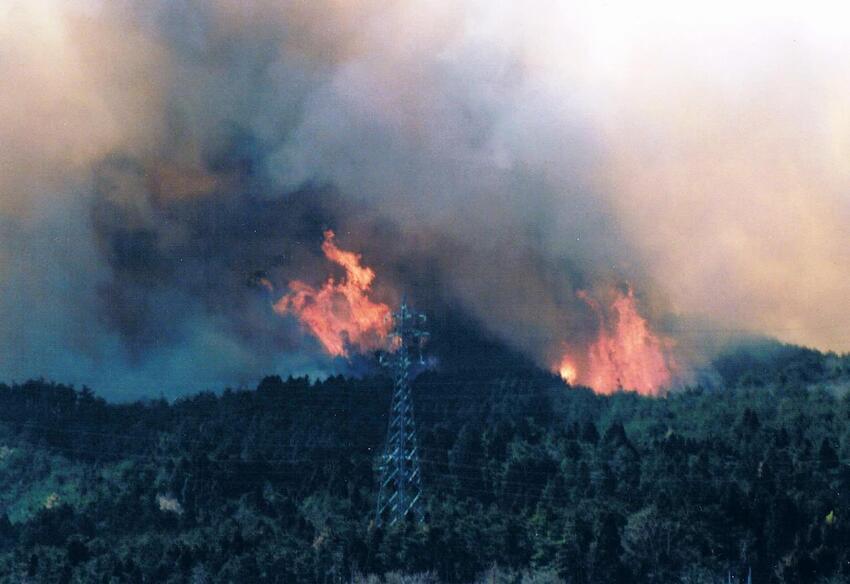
(527,482)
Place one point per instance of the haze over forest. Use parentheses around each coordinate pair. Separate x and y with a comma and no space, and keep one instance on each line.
(623,229)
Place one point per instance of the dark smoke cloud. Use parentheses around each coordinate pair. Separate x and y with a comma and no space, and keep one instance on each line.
(163,154)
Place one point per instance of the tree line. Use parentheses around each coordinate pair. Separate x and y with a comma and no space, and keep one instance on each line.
(526,480)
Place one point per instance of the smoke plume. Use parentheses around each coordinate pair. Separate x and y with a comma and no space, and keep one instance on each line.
(165,163)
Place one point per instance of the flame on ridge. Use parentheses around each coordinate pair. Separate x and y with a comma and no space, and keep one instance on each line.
(626,354)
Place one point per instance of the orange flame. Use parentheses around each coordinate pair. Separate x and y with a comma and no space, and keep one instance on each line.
(626,353)
(340,314)
(567,370)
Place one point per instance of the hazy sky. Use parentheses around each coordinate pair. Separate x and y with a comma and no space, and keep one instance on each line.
(700,150)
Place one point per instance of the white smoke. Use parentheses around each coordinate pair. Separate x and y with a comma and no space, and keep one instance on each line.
(527,149)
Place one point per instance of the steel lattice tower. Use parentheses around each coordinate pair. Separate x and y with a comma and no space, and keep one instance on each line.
(401,486)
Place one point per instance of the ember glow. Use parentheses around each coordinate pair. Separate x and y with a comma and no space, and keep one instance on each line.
(626,353)
(568,371)
(339,314)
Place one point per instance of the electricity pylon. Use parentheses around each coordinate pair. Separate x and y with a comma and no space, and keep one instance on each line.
(400,493)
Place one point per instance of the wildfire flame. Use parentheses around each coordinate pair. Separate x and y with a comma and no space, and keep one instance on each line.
(339,314)
(626,353)
(567,370)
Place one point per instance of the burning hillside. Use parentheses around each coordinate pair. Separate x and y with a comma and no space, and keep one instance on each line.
(626,353)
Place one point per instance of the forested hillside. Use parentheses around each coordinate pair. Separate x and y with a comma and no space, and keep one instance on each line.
(526,481)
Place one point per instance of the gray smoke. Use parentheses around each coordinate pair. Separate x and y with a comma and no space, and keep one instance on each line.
(162,155)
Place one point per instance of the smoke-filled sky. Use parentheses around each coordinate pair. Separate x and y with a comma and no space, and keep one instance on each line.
(495,157)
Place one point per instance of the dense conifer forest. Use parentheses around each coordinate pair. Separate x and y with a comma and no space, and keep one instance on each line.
(527,480)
